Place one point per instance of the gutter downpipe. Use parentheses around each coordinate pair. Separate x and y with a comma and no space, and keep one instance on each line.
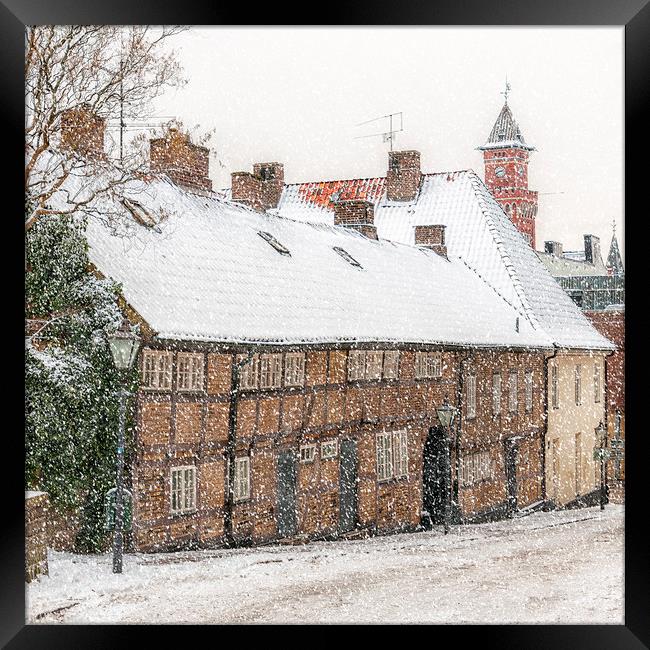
(546,419)
(235,377)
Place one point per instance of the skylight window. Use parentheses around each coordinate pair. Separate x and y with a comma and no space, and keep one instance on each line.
(283,250)
(347,257)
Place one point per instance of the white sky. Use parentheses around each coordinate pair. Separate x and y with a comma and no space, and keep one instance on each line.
(294,95)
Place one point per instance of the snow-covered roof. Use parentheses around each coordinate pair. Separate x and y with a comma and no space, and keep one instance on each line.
(204,273)
(565,265)
(479,232)
(506,132)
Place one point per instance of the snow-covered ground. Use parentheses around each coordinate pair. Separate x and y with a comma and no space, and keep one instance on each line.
(557,567)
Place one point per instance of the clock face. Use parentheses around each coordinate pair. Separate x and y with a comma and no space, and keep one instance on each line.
(500,172)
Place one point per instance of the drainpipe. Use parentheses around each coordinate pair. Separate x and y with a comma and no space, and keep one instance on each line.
(235,376)
(459,428)
(556,349)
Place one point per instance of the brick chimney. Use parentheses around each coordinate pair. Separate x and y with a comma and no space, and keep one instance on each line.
(82,131)
(553,248)
(358,215)
(260,190)
(433,237)
(185,163)
(403,176)
(592,249)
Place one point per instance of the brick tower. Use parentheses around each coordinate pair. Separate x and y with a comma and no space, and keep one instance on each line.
(505,156)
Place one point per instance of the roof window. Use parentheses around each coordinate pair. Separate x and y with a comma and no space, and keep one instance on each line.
(347,257)
(283,250)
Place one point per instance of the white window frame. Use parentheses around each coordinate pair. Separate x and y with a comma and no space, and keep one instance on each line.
(156,369)
(249,373)
(242,482)
(329,449)
(271,370)
(528,385)
(307,453)
(392,454)
(294,369)
(476,467)
(428,365)
(470,393)
(578,384)
(356,365)
(597,383)
(555,386)
(374,364)
(182,491)
(496,393)
(513,389)
(190,379)
(391,364)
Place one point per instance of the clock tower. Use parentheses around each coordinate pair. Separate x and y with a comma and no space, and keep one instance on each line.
(505,156)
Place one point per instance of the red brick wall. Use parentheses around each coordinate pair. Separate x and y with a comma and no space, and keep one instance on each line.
(192,429)
(403,175)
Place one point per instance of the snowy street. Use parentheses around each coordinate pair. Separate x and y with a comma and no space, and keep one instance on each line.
(556,567)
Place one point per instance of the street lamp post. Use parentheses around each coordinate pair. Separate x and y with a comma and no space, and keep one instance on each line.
(124,344)
(601,453)
(446,414)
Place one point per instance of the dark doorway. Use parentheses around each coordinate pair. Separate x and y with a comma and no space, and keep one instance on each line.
(435,477)
(348,486)
(286,513)
(511,475)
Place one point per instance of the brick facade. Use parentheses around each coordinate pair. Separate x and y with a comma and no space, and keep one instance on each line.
(611,323)
(180,428)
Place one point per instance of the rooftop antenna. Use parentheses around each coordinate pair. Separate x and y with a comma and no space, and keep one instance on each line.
(506,92)
(389,135)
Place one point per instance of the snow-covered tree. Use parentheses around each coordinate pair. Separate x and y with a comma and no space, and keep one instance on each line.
(72,387)
(111,71)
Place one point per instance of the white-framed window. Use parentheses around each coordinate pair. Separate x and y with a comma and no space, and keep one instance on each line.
(428,365)
(476,467)
(189,371)
(294,369)
(329,449)
(496,393)
(528,385)
(270,370)
(471,396)
(183,489)
(156,369)
(242,483)
(374,362)
(391,364)
(250,373)
(597,390)
(392,454)
(512,392)
(356,365)
(307,453)
(555,392)
(578,384)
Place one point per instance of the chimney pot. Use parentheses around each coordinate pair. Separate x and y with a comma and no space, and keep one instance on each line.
(358,215)
(592,249)
(260,190)
(185,163)
(432,236)
(403,176)
(553,248)
(82,131)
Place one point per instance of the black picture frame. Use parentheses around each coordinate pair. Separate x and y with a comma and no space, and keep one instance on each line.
(634,15)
